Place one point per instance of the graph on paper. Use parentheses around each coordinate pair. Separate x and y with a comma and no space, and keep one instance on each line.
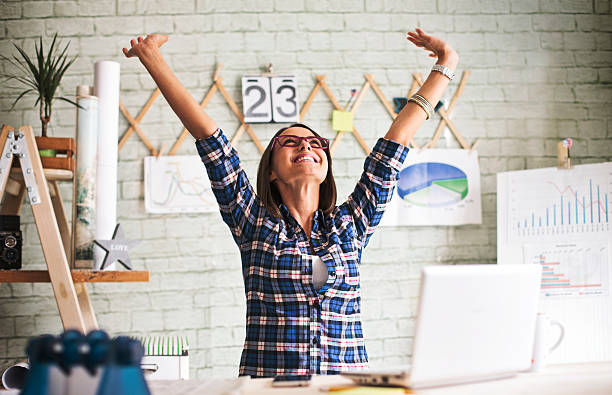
(559,219)
(573,204)
(437,187)
(177,184)
(571,270)
(432,184)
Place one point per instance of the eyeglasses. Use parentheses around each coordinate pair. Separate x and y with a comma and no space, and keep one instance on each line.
(288,140)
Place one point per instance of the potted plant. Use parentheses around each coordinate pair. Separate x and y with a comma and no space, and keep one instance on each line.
(41,77)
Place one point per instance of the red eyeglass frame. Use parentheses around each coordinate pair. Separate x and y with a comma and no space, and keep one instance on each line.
(306,138)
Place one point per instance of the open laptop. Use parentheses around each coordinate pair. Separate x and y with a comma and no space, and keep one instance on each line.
(474,322)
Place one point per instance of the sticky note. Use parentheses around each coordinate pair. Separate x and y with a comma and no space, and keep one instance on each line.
(362,390)
(342,121)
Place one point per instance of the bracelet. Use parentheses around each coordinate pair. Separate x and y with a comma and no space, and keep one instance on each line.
(444,70)
(423,103)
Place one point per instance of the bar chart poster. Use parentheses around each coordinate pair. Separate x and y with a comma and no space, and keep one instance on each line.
(571,270)
(177,184)
(437,187)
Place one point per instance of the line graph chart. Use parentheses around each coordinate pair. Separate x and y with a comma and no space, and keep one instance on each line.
(177,184)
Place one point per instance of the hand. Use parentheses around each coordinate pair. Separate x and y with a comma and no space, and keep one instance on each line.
(142,46)
(438,48)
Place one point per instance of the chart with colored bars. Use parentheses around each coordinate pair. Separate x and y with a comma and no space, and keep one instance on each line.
(575,203)
(177,184)
(571,270)
(437,187)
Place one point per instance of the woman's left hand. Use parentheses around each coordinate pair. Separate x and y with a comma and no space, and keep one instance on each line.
(438,48)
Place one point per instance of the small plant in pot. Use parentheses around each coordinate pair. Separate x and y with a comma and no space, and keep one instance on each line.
(40,76)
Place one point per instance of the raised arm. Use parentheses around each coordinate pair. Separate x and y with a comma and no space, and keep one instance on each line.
(193,117)
(408,121)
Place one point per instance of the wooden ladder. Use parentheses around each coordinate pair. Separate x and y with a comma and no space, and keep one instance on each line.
(73,301)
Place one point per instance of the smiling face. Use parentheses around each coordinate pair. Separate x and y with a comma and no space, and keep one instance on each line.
(281,167)
(304,163)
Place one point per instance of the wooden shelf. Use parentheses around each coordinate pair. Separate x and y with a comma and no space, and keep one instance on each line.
(78,276)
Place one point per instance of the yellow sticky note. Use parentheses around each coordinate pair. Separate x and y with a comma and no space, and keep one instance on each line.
(363,390)
(342,121)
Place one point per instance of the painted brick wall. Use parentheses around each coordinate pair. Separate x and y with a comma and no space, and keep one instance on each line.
(541,70)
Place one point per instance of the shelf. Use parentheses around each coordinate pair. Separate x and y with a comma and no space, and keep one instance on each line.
(78,276)
(50,174)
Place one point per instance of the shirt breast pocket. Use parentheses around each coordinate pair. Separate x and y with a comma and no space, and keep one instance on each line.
(346,258)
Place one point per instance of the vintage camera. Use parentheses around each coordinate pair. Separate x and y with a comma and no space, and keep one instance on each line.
(10,242)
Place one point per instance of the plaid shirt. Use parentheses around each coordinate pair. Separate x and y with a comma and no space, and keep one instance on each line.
(291,328)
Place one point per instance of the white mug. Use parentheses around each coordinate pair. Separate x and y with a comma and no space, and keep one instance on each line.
(541,344)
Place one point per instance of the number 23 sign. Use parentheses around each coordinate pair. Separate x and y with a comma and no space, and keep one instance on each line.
(270,99)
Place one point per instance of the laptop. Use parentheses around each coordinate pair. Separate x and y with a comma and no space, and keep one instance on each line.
(474,322)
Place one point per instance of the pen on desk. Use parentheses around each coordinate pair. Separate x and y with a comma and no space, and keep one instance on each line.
(350,387)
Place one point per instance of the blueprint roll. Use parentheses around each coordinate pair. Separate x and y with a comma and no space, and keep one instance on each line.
(106,88)
(13,378)
(84,207)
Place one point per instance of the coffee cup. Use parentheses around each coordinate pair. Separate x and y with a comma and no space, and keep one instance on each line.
(542,345)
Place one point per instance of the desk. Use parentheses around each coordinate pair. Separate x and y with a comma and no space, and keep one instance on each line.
(571,379)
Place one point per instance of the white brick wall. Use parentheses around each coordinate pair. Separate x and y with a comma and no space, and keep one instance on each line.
(541,70)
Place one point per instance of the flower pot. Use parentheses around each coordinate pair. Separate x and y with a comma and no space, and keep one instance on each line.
(56,152)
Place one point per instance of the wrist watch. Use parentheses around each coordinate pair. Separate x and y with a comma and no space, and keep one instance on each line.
(444,70)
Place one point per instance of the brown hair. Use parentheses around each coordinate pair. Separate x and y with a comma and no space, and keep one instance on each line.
(268,191)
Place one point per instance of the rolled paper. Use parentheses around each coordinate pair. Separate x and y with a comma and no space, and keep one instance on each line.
(84,207)
(13,378)
(107,90)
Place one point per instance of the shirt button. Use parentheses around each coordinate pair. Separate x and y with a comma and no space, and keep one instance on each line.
(315,341)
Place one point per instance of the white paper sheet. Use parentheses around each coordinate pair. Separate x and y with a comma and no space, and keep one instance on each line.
(560,219)
(177,184)
(437,187)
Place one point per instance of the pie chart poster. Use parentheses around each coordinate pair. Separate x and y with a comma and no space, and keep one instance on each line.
(437,187)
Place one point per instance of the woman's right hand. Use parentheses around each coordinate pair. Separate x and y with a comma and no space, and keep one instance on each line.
(142,46)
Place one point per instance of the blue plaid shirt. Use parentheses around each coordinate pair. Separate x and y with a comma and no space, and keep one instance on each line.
(291,328)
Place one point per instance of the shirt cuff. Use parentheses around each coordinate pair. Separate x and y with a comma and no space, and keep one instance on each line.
(390,152)
(213,146)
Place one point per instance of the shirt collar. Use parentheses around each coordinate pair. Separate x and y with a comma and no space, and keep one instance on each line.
(319,217)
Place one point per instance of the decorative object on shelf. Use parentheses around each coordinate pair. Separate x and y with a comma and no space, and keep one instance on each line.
(563,153)
(10,242)
(84,190)
(40,76)
(117,249)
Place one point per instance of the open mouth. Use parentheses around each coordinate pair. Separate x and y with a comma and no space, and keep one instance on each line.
(305,159)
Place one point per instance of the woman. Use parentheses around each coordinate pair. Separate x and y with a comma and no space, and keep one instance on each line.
(300,252)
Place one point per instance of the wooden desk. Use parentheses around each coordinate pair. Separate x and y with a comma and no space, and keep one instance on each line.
(591,379)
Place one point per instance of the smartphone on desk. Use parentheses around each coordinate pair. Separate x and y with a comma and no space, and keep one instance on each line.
(291,381)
